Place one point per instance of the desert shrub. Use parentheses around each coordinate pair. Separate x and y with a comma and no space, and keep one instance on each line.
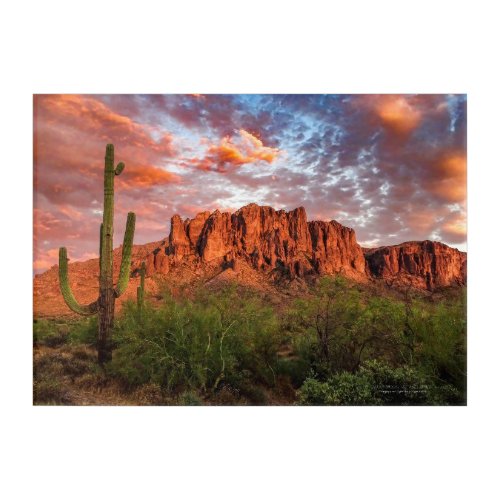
(340,326)
(50,391)
(60,365)
(441,341)
(84,331)
(254,394)
(52,333)
(150,394)
(94,380)
(48,333)
(377,383)
(184,344)
(189,398)
(406,385)
(296,369)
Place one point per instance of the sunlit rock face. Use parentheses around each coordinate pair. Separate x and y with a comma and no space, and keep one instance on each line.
(268,239)
(287,245)
(424,264)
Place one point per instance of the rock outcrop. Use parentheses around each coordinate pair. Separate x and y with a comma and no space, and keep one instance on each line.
(270,240)
(285,244)
(424,264)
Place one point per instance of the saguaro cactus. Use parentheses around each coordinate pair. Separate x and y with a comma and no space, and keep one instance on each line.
(104,306)
(141,289)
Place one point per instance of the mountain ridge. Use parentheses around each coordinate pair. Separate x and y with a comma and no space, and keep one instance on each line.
(267,247)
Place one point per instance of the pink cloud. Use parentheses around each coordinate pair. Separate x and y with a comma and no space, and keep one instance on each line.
(234,152)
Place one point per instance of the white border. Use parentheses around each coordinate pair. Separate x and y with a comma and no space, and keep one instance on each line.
(222,46)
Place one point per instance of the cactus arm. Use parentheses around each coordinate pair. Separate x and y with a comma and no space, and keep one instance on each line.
(128,240)
(119,168)
(141,289)
(100,248)
(143,275)
(69,298)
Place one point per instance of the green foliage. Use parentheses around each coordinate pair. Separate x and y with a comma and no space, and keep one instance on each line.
(441,341)
(224,338)
(83,332)
(341,326)
(189,398)
(141,289)
(338,327)
(48,333)
(377,383)
(342,344)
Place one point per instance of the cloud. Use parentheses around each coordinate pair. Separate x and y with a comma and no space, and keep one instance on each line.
(455,230)
(140,176)
(46,259)
(235,152)
(448,175)
(397,114)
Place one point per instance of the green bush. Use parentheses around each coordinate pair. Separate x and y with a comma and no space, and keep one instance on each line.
(229,336)
(233,347)
(53,333)
(48,390)
(84,331)
(441,341)
(341,325)
(377,383)
(48,333)
(189,398)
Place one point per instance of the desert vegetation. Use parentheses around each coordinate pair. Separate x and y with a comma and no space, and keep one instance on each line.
(343,343)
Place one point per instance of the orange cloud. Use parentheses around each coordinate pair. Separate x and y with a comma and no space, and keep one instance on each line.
(140,176)
(70,134)
(397,114)
(449,177)
(456,229)
(70,212)
(89,115)
(236,151)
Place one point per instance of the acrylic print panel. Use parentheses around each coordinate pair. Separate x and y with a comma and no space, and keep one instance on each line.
(250,249)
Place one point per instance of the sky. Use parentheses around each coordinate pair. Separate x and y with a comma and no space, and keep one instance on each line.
(393,167)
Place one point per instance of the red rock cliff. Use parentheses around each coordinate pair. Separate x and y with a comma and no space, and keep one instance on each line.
(267,239)
(426,264)
(286,244)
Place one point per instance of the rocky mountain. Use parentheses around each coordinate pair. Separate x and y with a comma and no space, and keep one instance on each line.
(269,240)
(424,264)
(266,249)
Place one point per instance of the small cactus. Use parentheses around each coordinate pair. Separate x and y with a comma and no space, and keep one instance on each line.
(141,289)
(104,306)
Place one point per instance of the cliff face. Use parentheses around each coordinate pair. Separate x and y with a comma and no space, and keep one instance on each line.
(426,264)
(267,239)
(286,244)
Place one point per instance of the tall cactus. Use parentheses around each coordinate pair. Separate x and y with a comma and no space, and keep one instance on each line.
(141,289)
(104,306)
